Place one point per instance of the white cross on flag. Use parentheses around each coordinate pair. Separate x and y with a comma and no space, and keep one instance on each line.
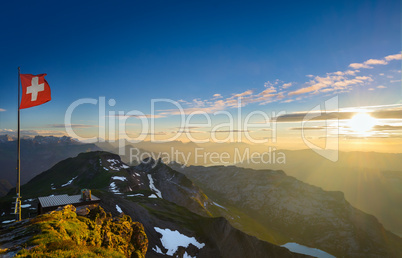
(35,90)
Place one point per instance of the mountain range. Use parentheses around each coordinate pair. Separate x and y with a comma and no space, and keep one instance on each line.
(165,201)
(220,211)
(371,181)
(37,155)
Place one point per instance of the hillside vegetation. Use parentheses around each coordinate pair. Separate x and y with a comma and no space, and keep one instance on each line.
(63,233)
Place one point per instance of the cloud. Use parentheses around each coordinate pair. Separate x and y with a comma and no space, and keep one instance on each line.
(387,128)
(364,78)
(232,131)
(348,72)
(72,125)
(378,112)
(277,90)
(157,133)
(122,116)
(183,101)
(381,87)
(308,128)
(394,57)
(336,81)
(367,64)
(33,132)
(246,93)
(312,88)
(2,110)
(359,66)
(286,85)
(371,89)
(375,62)
(242,99)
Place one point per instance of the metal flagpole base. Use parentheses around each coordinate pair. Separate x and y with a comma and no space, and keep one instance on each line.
(17,210)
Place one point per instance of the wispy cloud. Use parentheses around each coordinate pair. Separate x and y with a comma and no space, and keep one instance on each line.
(311,128)
(387,128)
(331,82)
(2,110)
(378,112)
(286,85)
(72,125)
(359,66)
(33,132)
(125,116)
(394,57)
(368,64)
(233,131)
(286,92)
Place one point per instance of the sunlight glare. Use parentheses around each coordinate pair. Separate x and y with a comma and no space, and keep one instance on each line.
(362,122)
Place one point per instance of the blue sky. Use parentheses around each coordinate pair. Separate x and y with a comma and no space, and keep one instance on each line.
(191,50)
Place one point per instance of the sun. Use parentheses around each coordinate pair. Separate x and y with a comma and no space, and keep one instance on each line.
(361,122)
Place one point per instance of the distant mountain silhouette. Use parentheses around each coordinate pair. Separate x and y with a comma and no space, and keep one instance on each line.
(371,181)
(37,154)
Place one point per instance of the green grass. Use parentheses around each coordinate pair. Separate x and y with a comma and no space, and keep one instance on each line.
(65,234)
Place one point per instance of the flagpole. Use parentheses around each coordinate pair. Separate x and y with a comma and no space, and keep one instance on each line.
(18,201)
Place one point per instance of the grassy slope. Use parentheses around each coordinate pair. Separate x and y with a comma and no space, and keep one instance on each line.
(65,234)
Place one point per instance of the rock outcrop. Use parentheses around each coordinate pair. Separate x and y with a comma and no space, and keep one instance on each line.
(63,233)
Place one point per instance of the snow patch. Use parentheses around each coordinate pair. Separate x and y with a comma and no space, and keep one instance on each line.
(116,165)
(171,240)
(113,188)
(121,178)
(186,255)
(152,196)
(3,214)
(118,208)
(131,195)
(157,250)
(8,221)
(52,186)
(219,205)
(69,182)
(137,174)
(25,205)
(301,249)
(152,186)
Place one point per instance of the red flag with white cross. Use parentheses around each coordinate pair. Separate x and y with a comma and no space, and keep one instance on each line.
(35,90)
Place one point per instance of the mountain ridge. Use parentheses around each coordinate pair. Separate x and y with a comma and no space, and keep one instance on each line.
(305,213)
(128,189)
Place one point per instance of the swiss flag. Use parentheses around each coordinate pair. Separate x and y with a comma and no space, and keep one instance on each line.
(35,90)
